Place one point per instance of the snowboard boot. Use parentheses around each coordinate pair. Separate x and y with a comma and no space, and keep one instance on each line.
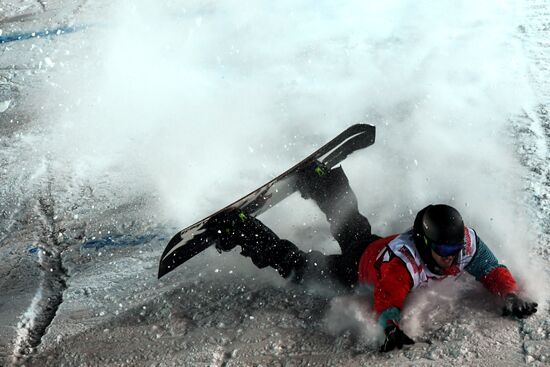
(257,241)
(224,229)
(330,190)
(265,248)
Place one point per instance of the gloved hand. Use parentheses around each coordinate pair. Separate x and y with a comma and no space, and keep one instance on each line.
(513,305)
(395,337)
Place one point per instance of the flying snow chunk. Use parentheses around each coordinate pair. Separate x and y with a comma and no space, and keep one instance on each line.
(4,105)
(49,62)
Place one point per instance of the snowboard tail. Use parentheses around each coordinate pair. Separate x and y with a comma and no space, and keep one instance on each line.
(194,239)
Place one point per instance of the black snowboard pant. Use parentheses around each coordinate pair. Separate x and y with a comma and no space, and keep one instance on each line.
(334,196)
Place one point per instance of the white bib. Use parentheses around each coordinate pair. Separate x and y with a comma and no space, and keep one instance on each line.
(403,247)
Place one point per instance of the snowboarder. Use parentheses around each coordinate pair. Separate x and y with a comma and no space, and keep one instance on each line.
(437,246)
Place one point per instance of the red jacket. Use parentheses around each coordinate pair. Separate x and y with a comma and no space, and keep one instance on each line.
(392,281)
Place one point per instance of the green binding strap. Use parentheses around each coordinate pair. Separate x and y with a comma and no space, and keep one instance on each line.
(242,216)
(320,170)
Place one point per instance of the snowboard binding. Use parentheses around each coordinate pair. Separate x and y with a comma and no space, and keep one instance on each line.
(324,185)
(233,227)
(311,181)
(225,228)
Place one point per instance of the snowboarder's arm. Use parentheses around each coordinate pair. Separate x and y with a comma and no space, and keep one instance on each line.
(486,269)
(391,290)
(498,280)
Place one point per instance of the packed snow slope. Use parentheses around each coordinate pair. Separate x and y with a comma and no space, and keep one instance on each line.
(123,123)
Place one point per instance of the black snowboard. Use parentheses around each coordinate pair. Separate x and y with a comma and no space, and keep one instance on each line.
(189,242)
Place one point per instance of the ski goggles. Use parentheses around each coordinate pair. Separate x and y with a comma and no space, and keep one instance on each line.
(444,249)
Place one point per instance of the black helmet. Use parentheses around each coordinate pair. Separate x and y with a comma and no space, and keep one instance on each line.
(439,228)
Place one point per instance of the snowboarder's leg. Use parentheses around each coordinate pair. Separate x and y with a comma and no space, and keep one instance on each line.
(330,189)
(345,267)
(265,248)
(335,271)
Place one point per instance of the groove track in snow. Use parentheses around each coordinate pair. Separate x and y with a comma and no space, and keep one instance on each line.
(533,129)
(49,296)
(533,135)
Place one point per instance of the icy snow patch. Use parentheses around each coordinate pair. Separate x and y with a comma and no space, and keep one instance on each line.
(4,105)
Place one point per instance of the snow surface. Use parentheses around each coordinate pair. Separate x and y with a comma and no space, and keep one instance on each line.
(154,114)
